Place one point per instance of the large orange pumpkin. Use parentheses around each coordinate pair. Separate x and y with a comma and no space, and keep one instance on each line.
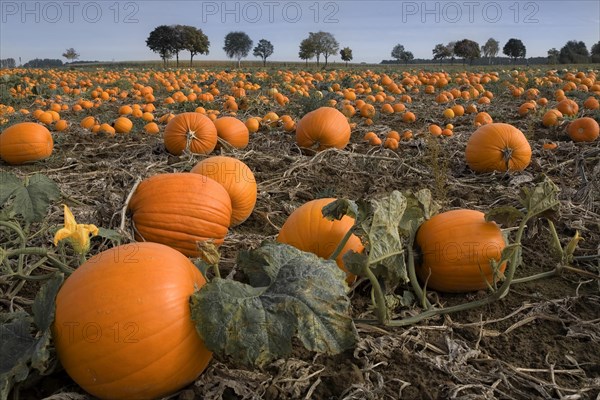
(25,142)
(584,129)
(456,247)
(123,327)
(498,147)
(237,179)
(179,210)
(324,127)
(233,131)
(190,131)
(307,230)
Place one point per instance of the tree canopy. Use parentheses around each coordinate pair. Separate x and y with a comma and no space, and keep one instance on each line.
(71,54)
(163,40)
(440,52)
(264,49)
(307,50)
(400,53)
(514,49)
(237,45)
(194,41)
(467,50)
(490,49)
(574,52)
(346,54)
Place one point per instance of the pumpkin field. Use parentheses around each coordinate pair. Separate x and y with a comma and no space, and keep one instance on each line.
(162,233)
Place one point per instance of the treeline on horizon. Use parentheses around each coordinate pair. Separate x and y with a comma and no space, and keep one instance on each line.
(170,40)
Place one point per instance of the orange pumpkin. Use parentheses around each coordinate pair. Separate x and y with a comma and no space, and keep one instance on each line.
(233,131)
(324,127)
(25,142)
(498,147)
(151,128)
(482,118)
(190,131)
(123,327)
(307,230)
(584,129)
(456,248)
(122,125)
(237,179)
(551,118)
(252,124)
(568,107)
(180,209)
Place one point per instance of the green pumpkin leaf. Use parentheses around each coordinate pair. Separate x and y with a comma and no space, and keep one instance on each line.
(31,197)
(9,183)
(291,293)
(21,347)
(44,305)
(385,250)
(17,346)
(542,198)
(420,206)
(507,216)
(339,208)
(111,235)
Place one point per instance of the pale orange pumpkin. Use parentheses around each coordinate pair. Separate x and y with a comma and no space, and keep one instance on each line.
(233,131)
(237,179)
(498,147)
(324,128)
(190,131)
(307,230)
(584,129)
(25,142)
(123,327)
(456,248)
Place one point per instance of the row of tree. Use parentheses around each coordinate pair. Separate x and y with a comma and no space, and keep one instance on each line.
(572,52)
(168,41)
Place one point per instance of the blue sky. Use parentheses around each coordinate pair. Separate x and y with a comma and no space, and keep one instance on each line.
(116,30)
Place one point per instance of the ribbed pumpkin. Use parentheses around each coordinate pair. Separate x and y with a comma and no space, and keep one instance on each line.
(237,179)
(456,247)
(233,131)
(179,210)
(324,127)
(498,147)
(307,230)
(123,328)
(122,125)
(25,142)
(192,131)
(584,129)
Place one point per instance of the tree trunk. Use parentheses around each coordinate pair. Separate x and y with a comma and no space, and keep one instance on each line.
(325,60)
(191,59)
(264,62)
(239,63)
(177,60)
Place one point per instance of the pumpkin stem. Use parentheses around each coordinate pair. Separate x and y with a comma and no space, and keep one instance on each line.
(507,156)
(412,276)
(191,135)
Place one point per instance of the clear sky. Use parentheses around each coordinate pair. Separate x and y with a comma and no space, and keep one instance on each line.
(107,30)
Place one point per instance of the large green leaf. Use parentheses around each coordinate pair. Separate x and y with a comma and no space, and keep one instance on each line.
(31,197)
(23,349)
(420,206)
(386,253)
(43,305)
(291,293)
(542,198)
(386,226)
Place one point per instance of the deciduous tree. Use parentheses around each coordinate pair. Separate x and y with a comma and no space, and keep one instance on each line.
(237,45)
